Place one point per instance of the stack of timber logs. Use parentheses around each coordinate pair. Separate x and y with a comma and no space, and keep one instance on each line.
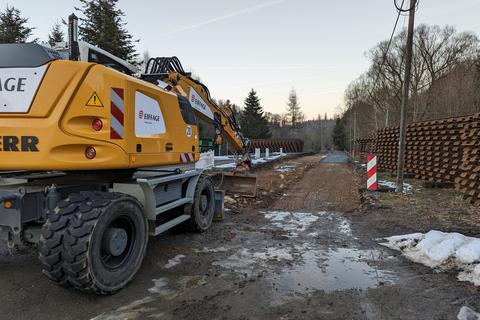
(444,150)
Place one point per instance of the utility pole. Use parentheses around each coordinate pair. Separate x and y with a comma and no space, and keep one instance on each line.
(354,131)
(406,87)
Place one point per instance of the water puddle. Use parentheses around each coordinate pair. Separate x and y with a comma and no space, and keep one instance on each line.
(331,270)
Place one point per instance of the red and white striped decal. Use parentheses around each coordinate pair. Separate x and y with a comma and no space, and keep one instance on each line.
(187,157)
(117,110)
(372,172)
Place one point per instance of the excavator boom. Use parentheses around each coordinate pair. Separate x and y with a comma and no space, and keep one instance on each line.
(169,73)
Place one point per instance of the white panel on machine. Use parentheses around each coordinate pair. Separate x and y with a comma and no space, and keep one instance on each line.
(17,88)
(197,102)
(148,116)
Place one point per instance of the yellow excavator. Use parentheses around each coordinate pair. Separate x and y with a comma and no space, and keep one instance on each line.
(94,159)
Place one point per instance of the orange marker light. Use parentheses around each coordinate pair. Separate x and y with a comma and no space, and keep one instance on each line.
(7,205)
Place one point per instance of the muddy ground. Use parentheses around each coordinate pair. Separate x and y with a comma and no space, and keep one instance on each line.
(305,248)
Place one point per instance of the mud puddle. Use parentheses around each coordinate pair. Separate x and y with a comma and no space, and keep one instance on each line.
(330,270)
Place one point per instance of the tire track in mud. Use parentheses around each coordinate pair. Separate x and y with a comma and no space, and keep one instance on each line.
(329,186)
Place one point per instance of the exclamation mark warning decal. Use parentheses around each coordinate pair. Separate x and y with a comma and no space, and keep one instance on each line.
(94,101)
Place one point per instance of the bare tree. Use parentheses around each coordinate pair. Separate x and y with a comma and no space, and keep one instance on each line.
(293,109)
(445,80)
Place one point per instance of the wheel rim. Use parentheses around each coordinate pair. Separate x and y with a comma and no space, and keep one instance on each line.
(205,204)
(117,242)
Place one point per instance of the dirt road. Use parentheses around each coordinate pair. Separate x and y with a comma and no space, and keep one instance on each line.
(298,253)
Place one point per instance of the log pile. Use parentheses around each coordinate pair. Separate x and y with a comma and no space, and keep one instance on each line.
(274,145)
(468,178)
(434,149)
(386,148)
(445,151)
(363,147)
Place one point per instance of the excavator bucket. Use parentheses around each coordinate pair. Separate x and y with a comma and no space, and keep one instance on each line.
(242,183)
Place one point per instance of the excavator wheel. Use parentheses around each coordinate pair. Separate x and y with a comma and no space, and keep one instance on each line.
(50,246)
(104,242)
(203,208)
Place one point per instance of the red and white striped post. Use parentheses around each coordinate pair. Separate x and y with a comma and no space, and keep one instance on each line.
(372,172)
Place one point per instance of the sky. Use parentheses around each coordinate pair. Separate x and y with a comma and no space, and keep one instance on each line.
(315,46)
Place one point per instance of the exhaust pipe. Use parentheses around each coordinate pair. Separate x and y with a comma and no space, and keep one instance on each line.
(74,51)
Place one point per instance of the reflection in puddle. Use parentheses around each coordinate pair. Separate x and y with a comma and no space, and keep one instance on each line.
(331,270)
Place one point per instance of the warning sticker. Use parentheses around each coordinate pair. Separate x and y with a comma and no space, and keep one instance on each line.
(94,101)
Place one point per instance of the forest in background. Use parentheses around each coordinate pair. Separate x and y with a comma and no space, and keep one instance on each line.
(445,82)
(103,24)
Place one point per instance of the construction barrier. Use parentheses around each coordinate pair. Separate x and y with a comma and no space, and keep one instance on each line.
(445,150)
(274,145)
(372,172)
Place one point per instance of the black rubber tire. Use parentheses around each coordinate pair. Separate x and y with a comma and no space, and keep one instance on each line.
(83,240)
(50,246)
(80,253)
(200,219)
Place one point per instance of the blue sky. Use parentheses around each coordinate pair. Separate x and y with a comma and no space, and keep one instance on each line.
(315,46)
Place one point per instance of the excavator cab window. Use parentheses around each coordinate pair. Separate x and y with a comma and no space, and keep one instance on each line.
(97,57)
(188,113)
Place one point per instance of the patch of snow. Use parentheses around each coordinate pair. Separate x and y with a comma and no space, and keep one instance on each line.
(286,168)
(174,261)
(469,253)
(211,250)
(160,287)
(226,165)
(136,303)
(292,222)
(274,253)
(407,188)
(129,311)
(244,259)
(277,215)
(232,165)
(467,313)
(441,250)
(220,158)
(257,161)
(344,227)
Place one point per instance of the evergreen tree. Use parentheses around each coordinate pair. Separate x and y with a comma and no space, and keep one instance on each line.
(293,109)
(338,135)
(13,27)
(56,35)
(103,26)
(252,121)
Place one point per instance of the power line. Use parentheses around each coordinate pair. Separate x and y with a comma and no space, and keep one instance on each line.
(400,8)
(393,31)
(401,12)
(388,45)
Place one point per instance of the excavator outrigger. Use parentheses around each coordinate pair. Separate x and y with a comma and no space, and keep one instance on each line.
(93,159)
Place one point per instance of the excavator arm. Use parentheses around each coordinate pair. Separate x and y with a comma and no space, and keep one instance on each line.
(168,73)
